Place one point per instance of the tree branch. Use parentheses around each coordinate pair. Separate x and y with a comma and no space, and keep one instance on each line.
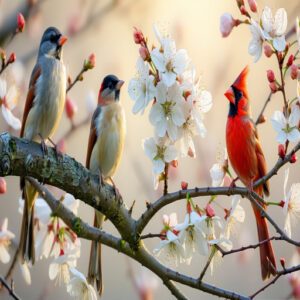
(9,288)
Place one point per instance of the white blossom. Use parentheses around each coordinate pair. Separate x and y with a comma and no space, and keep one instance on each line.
(8,100)
(235,215)
(5,239)
(79,288)
(170,249)
(192,236)
(256,44)
(218,170)
(167,113)
(25,271)
(291,206)
(160,152)
(287,128)
(91,101)
(59,268)
(274,27)
(141,89)
(169,62)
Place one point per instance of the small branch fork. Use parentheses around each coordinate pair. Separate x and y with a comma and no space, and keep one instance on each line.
(9,288)
(23,158)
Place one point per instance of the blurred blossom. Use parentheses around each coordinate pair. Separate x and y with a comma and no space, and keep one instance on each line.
(253,5)
(5,239)
(218,170)
(59,268)
(274,27)
(227,23)
(160,153)
(298,31)
(74,24)
(71,108)
(170,220)
(291,206)
(256,44)
(141,89)
(20,22)
(287,128)
(166,114)
(25,271)
(235,215)
(146,283)
(91,101)
(18,72)
(294,71)
(79,288)
(3,187)
(8,99)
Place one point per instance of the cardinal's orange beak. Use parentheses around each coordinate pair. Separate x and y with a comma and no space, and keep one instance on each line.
(119,84)
(62,40)
(230,95)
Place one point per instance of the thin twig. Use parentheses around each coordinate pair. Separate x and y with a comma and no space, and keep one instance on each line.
(79,77)
(264,108)
(210,258)
(174,290)
(152,235)
(265,286)
(13,264)
(9,288)
(166,171)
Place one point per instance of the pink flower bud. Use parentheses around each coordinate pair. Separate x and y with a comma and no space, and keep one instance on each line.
(281,204)
(2,185)
(20,23)
(253,5)
(144,53)
(210,212)
(71,108)
(282,262)
(273,87)
(184,185)
(244,11)
(2,55)
(293,158)
(12,58)
(281,151)
(61,146)
(188,207)
(294,71)
(174,163)
(138,36)
(290,60)
(271,76)
(226,24)
(90,62)
(268,50)
(262,119)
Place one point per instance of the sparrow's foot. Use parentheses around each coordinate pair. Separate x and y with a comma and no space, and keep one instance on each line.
(58,153)
(116,190)
(232,183)
(101,180)
(43,145)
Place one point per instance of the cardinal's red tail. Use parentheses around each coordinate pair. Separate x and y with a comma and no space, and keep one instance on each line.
(267,257)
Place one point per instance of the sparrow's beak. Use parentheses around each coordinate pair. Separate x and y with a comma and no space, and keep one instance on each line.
(119,84)
(230,95)
(62,40)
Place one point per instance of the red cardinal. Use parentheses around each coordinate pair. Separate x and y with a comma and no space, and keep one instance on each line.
(248,161)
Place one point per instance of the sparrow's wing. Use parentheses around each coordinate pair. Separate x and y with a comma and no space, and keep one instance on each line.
(93,136)
(36,72)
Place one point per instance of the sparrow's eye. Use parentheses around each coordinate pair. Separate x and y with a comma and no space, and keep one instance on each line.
(53,38)
(110,85)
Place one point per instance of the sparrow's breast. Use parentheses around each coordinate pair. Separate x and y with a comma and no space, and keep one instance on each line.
(107,152)
(49,101)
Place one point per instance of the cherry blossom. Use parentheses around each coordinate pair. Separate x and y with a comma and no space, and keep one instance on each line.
(227,23)
(218,170)
(256,44)
(8,100)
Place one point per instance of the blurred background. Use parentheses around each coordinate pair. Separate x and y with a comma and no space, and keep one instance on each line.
(105,28)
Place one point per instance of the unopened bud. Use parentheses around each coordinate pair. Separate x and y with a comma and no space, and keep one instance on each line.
(268,50)
(90,63)
(244,11)
(2,185)
(290,60)
(210,212)
(138,36)
(184,185)
(144,53)
(188,207)
(2,55)
(273,87)
(262,119)
(12,58)
(166,220)
(294,71)
(227,22)
(270,76)
(293,158)
(174,163)
(282,262)
(71,108)
(281,151)
(253,5)
(20,23)
(281,203)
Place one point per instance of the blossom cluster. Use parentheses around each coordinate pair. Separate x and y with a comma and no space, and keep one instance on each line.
(166,78)
(202,231)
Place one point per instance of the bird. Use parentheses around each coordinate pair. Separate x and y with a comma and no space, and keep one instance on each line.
(248,161)
(105,148)
(43,110)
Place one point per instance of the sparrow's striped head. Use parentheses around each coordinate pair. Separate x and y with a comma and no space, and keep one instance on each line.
(52,42)
(110,90)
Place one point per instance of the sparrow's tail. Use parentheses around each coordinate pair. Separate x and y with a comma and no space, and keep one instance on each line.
(27,240)
(267,257)
(95,269)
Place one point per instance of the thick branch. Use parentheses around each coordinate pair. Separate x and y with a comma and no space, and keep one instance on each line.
(24,158)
